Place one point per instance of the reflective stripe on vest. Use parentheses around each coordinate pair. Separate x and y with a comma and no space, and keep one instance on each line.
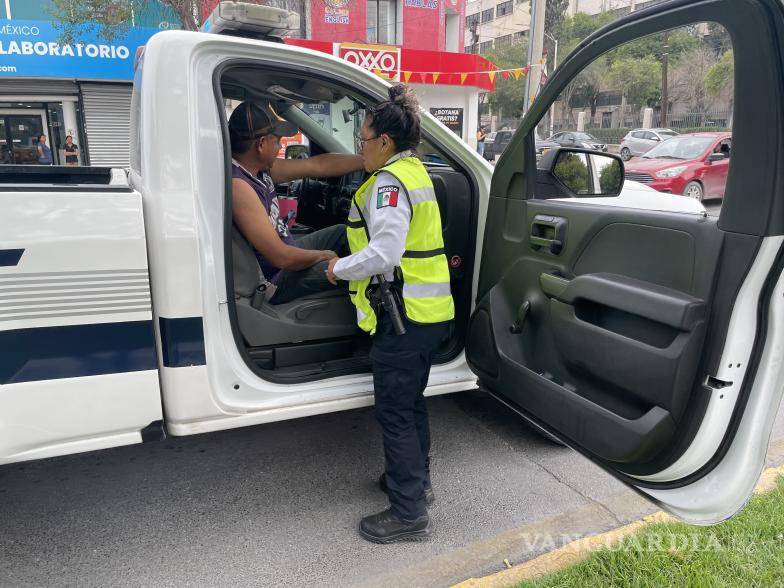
(426,293)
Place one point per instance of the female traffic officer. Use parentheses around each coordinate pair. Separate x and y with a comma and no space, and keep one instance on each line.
(394,232)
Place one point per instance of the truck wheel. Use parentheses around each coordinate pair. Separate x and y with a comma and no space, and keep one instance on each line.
(694,190)
(626,155)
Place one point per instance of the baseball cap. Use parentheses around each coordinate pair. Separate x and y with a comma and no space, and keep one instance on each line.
(256,118)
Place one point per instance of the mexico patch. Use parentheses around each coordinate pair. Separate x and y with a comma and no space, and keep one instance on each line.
(387,196)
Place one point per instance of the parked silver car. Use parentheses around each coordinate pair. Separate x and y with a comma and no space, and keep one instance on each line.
(640,141)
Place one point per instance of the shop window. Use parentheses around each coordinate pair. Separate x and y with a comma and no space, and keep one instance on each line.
(382,22)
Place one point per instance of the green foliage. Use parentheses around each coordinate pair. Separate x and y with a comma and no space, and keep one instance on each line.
(680,41)
(610,178)
(509,93)
(747,550)
(639,79)
(111,18)
(572,171)
(579,26)
(720,76)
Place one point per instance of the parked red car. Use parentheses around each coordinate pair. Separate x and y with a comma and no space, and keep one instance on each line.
(694,165)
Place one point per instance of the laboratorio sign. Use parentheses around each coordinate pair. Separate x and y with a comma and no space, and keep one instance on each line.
(53,49)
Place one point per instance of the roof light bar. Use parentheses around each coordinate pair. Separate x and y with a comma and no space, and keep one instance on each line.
(251,20)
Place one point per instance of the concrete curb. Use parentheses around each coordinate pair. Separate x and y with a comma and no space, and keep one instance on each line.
(581,549)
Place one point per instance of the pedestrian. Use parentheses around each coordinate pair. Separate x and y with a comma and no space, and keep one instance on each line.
(44,152)
(71,151)
(397,266)
(480,140)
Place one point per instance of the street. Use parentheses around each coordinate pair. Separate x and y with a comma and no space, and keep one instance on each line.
(278,505)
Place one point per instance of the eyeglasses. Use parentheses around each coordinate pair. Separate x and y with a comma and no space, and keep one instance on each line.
(362,141)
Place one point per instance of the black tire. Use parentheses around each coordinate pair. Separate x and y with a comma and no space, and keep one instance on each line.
(626,155)
(694,190)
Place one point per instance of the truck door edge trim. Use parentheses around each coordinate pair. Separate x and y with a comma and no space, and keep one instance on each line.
(73,351)
(182,341)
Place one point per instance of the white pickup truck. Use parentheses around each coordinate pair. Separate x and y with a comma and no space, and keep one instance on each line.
(651,341)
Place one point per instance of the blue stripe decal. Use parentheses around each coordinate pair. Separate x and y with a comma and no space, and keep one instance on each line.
(182,341)
(52,353)
(10,257)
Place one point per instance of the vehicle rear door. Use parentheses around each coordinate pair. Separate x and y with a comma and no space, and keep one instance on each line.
(645,337)
(78,368)
(638,143)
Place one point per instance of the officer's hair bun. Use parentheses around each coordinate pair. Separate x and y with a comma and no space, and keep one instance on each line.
(404,97)
(398,117)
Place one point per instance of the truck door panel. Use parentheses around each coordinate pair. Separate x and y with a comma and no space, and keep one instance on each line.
(79,368)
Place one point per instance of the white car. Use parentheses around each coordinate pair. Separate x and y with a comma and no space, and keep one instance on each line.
(640,141)
(650,341)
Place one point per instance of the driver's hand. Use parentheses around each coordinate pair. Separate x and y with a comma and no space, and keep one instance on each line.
(330,271)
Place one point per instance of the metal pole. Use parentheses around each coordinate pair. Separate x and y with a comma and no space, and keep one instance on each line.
(552,106)
(664,84)
(535,46)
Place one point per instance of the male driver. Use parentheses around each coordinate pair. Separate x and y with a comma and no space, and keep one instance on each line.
(296,268)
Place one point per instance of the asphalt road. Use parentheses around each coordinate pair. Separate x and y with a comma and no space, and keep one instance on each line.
(278,504)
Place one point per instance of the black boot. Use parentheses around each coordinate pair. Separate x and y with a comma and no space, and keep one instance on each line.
(386,527)
(430,497)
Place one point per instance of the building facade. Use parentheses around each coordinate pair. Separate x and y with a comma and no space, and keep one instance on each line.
(430,25)
(52,89)
(494,23)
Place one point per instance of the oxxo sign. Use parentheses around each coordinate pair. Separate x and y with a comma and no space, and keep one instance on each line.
(383,58)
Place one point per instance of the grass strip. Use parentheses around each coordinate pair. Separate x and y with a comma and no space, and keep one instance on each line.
(746,551)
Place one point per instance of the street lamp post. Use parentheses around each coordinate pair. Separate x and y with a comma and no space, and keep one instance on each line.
(555,64)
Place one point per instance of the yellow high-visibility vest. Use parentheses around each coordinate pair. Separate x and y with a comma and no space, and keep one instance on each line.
(426,293)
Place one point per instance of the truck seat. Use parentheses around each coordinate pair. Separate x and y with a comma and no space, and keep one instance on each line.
(317,316)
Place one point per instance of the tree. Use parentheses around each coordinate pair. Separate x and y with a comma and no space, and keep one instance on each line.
(509,93)
(111,18)
(554,15)
(720,79)
(639,80)
(689,81)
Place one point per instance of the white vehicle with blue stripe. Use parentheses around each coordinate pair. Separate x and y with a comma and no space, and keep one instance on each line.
(649,340)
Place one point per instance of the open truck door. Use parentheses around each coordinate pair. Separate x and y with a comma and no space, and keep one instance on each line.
(651,341)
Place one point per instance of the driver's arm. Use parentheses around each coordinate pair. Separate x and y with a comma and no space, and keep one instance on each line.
(326,165)
(253,222)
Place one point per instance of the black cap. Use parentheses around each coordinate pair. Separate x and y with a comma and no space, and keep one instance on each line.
(257,118)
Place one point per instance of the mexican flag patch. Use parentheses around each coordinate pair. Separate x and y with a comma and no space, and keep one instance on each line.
(387,196)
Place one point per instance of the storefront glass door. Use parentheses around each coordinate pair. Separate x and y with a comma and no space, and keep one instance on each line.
(19,134)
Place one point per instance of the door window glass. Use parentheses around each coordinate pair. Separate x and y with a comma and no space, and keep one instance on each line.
(682,79)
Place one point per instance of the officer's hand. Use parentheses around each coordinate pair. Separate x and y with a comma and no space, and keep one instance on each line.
(330,271)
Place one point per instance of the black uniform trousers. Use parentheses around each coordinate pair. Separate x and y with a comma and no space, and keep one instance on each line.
(401,367)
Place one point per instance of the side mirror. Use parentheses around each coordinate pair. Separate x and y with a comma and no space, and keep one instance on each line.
(716,157)
(297,152)
(655,138)
(583,173)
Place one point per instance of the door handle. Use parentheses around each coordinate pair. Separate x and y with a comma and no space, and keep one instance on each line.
(548,232)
